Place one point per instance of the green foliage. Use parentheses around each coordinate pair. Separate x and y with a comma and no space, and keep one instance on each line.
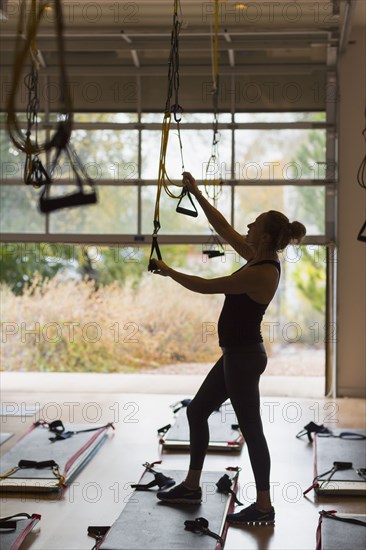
(20,262)
(310,279)
(114,328)
(310,274)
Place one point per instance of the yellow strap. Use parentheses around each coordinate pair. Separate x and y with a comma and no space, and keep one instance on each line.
(55,471)
(60,477)
(22,52)
(163,179)
(10,473)
(216,46)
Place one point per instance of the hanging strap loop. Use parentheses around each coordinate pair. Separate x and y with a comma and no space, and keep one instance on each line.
(181,210)
(78,198)
(154,249)
(215,246)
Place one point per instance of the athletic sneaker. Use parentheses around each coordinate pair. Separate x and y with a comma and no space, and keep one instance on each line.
(181,495)
(252,516)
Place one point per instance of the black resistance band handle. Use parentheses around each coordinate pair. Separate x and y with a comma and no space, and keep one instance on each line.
(24,464)
(79,198)
(154,248)
(181,210)
(201,526)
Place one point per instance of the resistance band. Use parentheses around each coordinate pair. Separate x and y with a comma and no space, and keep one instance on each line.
(34,171)
(44,464)
(61,434)
(171,106)
(213,187)
(322,431)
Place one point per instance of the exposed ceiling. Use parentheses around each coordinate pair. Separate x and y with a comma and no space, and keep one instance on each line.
(108,39)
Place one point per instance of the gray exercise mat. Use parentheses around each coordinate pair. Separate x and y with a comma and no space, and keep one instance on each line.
(4,437)
(12,539)
(339,535)
(222,435)
(331,449)
(36,445)
(147,523)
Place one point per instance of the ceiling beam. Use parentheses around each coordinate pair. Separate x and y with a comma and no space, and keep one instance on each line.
(190,45)
(194,70)
(148,37)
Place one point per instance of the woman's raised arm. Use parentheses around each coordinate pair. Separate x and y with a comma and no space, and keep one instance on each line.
(218,221)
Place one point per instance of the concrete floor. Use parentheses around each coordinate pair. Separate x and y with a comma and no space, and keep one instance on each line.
(100,492)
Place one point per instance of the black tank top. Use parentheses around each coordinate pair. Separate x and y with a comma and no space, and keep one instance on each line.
(241,317)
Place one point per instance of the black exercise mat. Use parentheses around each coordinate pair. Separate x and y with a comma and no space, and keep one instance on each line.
(147,523)
(71,455)
(11,539)
(223,436)
(328,450)
(339,535)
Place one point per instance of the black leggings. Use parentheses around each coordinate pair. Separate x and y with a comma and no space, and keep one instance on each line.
(236,376)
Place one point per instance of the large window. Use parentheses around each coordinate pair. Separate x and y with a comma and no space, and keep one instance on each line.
(265,160)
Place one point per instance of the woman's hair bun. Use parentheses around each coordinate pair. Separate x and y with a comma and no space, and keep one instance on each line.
(297,232)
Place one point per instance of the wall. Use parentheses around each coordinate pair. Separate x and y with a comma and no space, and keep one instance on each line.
(351,264)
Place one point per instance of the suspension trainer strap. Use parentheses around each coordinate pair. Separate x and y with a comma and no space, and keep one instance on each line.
(201,526)
(213,179)
(25,46)
(78,198)
(224,485)
(213,165)
(160,480)
(34,172)
(172,106)
(154,249)
(214,246)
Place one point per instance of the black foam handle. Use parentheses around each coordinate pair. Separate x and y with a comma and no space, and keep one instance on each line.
(79,198)
(181,210)
(192,213)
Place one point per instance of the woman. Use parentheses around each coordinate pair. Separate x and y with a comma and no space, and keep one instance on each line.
(236,374)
